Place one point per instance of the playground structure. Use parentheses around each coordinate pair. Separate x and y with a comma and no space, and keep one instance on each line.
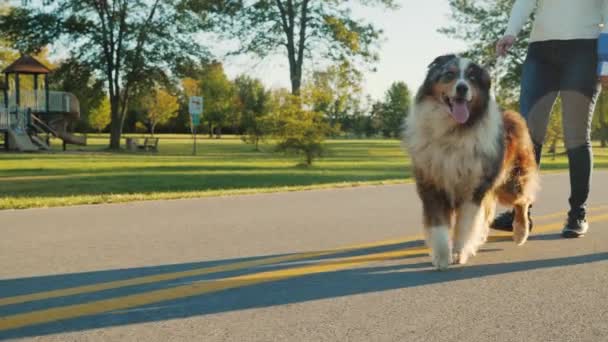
(28,118)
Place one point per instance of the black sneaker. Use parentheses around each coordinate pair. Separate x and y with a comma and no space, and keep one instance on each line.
(504,221)
(575,227)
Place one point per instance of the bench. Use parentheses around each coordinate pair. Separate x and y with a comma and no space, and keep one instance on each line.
(149,144)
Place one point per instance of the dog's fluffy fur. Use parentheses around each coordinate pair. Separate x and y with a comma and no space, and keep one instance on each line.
(466,161)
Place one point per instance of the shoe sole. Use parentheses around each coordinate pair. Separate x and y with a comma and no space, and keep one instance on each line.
(569,234)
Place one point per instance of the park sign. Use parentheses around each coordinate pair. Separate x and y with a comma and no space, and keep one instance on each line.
(196,109)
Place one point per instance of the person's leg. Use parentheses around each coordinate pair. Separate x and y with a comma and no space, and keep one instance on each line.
(580,89)
(538,92)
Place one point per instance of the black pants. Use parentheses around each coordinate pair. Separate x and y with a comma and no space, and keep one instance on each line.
(566,68)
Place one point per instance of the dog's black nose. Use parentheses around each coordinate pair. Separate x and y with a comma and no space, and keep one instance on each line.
(461,90)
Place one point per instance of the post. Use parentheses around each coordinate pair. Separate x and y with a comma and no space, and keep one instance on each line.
(195,108)
(36,92)
(46,92)
(194,147)
(17,97)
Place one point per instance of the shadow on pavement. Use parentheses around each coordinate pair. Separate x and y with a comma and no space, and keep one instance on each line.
(269,292)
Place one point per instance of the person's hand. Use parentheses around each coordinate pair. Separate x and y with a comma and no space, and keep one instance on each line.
(504,44)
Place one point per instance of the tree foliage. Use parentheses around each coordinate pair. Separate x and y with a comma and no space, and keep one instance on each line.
(100,117)
(81,80)
(335,92)
(161,106)
(480,23)
(218,94)
(394,109)
(128,42)
(297,129)
(303,29)
(254,105)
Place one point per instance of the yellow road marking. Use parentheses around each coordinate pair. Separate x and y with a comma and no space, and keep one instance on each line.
(183,291)
(125,302)
(191,273)
(215,269)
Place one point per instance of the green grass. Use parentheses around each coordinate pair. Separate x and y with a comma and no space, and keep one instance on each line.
(228,166)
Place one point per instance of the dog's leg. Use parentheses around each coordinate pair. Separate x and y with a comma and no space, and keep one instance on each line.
(521,224)
(489,205)
(438,241)
(437,220)
(469,231)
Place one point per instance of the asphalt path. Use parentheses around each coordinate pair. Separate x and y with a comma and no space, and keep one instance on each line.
(327,265)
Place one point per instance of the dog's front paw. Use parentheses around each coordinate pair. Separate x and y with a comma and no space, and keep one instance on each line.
(520,233)
(461,257)
(441,261)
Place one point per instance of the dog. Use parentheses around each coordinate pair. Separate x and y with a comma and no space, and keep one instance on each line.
(467,155)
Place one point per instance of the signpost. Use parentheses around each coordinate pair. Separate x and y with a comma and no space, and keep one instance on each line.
(196,109)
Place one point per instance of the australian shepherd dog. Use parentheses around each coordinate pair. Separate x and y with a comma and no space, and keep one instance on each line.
(467,155)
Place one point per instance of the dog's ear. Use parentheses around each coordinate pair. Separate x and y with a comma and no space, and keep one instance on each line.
(485,80)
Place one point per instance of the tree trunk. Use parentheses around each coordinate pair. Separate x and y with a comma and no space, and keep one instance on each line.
(218,132)
(116,123)
(309,158)
(553,148)
(210,130)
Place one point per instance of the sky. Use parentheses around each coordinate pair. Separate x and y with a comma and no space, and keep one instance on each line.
(411,42)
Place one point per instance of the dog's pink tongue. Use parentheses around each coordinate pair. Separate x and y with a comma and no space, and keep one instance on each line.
(460,112)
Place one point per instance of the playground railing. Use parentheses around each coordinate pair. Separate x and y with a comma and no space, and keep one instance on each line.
(59,101)
(14,120)
(4,119)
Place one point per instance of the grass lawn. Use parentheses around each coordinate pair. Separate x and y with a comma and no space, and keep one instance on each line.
(89,175)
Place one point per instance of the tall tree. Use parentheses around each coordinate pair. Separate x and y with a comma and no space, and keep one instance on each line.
(161,106)
(218,94)
(336,92)
(394,109)
(127,41)
(99,118)
(480,23)
(80,80)
(326,30)
(254,104)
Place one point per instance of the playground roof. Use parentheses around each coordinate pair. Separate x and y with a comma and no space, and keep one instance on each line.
(27,65)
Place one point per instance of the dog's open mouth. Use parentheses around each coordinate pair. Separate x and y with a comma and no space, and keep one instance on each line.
(458,108)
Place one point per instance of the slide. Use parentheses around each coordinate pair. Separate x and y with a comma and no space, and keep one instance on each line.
(21,142)
(72,139)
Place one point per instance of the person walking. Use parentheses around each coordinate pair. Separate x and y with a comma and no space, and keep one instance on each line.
(562,59)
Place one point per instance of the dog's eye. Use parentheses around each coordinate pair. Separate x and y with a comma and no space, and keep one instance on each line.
(449,76)
(472,77)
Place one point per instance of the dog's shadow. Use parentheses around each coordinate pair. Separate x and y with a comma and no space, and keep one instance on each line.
(403,273)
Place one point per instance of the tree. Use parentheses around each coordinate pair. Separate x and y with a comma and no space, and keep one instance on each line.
(254,104)
(218,93)
(297,129)
(336,92)
(100,117)
(481,23)
(161,106)
(325,30)
(600,119)
(129,42)
(394,109)
(80,80)
(555,131)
